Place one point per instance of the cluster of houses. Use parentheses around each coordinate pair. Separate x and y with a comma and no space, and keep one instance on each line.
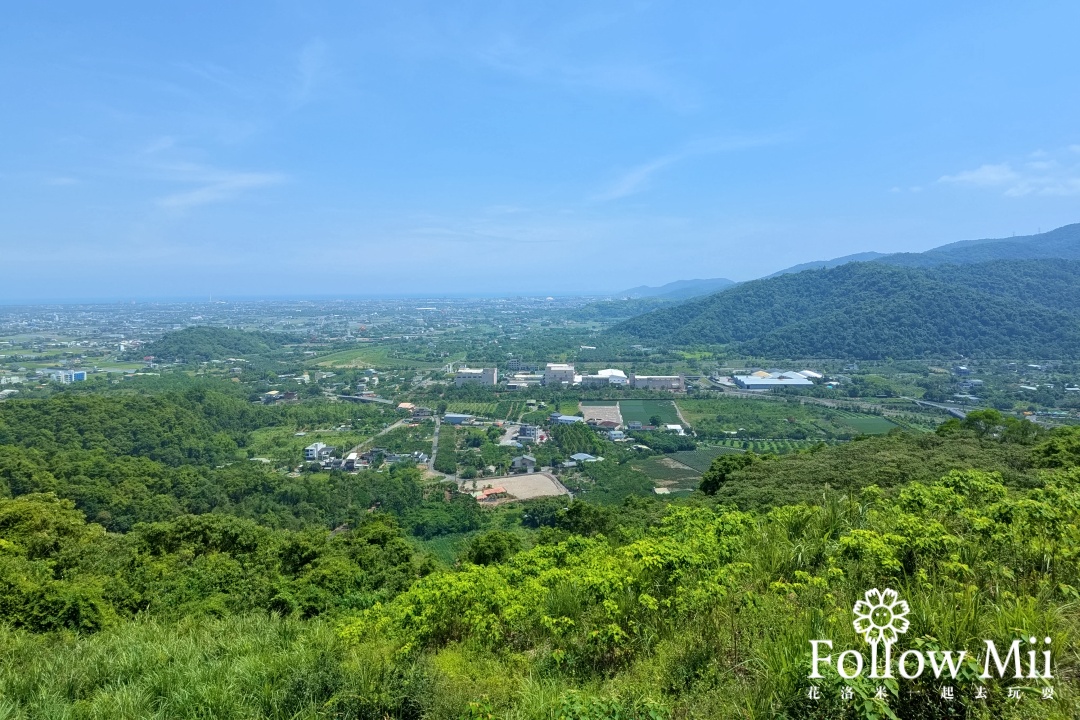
(527,463)
(353,462)
(564,374)
(276,396)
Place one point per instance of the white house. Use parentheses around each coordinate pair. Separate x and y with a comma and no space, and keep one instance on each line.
(313,451)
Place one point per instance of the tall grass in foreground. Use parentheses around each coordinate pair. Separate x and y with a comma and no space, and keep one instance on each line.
(251,666)
(707,614)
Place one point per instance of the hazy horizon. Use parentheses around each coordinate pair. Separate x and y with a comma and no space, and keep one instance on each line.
(418,150)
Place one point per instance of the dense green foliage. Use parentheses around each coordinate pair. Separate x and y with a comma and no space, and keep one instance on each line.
(203,343)
(160,428)
(709,613)
(446,457)
(149,569)
(1062,243)
(58,571)
(126,459)
(886,461)
(873,310)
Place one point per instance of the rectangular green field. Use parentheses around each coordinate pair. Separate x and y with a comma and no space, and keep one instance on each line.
(774,447)
(868,424)
(642,410)
(702,458)
(377,356)
(666,471)
(769,417)
(480,409)
(664,468)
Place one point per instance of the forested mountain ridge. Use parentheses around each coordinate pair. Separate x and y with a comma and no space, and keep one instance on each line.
(1062,242)
(874,310)
(826,264)
(680,289)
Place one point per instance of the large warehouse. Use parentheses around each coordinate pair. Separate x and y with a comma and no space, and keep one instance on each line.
(767,381)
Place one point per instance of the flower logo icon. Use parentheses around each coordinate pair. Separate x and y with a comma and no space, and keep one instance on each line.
(881,616)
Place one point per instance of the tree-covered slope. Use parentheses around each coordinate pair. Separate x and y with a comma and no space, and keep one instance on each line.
(1063,243)
(680,289)
(202,343)
(872,310)
(1051,283)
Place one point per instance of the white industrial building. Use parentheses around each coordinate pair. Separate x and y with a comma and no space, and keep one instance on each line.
(657,382)
(515,365)
(559,373)
(762,380)
(520,381)
(604,378)
(476,376)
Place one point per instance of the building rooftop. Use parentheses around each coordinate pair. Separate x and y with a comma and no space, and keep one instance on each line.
(786,379)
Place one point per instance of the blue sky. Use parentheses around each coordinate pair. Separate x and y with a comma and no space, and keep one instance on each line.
(311,148)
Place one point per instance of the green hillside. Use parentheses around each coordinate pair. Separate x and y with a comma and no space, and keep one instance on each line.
(1063,243)
(202,343)
(137,582)
(872,310)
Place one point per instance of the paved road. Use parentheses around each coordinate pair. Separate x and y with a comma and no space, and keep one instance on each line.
(679,413)
(952,410)
(434,446)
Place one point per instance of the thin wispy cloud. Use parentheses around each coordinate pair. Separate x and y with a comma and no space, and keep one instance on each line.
(508,54)
(311,66)
(214,185)
(166,160)
(1041,173)
(222,78)
(637,178)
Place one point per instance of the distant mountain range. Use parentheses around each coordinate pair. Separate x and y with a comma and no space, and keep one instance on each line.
(679,290)
(871,310)
(835,262)
(1064,242)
